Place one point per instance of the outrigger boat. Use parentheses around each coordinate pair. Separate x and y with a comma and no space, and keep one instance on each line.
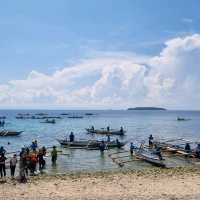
(10,133)
(150,158)
(90,144)
(138,154)
(170,147)
(105,131)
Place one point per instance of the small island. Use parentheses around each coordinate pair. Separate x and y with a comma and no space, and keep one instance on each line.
(147,108)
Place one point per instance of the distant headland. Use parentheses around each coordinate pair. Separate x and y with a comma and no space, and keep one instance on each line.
(146,108)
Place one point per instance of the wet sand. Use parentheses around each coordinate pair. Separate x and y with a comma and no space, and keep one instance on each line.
(178,183)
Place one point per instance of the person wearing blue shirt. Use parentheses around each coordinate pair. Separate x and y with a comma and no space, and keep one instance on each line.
(132,147)
(34,145)
(2,151)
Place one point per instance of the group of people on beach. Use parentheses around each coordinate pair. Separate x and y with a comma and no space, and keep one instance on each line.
(13,163)
(29,158)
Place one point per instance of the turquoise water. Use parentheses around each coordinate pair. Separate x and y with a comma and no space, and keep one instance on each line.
(139,125)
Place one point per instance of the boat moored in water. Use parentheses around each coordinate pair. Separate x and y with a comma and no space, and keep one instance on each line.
(75,117)
(89,114)
(10,133)
(149,157)
(41,114)
(90,144)
(182,119)
(47,121)
(176,146)
(105,131)
(64,114)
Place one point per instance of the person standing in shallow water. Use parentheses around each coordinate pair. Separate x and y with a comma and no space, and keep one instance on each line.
(2,150)
(187,148)
(108,138)
(158,152)
(132,147)
(198,151)
(102,146)
(54,155)
(121,130)
(71,137)
(13,163)
(41,160)
(151,141)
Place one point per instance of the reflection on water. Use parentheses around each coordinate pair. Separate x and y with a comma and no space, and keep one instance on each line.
(139,125)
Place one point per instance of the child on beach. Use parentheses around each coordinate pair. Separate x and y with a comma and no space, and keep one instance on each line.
(13,163)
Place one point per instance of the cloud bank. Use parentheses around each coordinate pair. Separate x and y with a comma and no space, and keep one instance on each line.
(117,80)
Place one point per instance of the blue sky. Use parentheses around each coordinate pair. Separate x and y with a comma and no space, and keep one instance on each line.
(42,35)
(45,36)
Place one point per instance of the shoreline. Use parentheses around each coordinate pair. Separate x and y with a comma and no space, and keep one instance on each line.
(155,183)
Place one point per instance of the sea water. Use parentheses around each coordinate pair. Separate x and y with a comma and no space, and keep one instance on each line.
(138,124)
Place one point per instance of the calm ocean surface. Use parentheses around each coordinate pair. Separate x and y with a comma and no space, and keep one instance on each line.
(139,125)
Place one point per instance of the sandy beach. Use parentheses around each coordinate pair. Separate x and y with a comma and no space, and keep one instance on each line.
(179,183)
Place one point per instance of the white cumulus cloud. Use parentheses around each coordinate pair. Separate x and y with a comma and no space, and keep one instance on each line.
(169,79)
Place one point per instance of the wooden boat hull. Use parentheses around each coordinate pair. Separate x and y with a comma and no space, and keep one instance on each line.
(155,162)
(90,144)
(173,149)
(10,133)
(150,159)
(105,132)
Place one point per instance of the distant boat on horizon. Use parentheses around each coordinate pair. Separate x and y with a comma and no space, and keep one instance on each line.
(182,119)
